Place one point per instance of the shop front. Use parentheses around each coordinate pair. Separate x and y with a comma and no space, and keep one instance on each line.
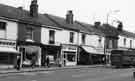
(91,55)
(8,53)
(53,53)
(30,51)
(69,55)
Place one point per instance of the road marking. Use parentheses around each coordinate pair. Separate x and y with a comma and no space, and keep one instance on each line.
(26,73)
(33,80)
(107,77)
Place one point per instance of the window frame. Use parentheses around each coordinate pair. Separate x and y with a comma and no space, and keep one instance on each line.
(4,24)
(124,41)
(71,37)
(83,37)
(131,43)
(51,36)
(30,33)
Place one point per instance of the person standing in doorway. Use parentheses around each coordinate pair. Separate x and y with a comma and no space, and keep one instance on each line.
(33,61)
(48,61)
(18,62)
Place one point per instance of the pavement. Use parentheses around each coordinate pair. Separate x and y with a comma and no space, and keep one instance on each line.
(36,69)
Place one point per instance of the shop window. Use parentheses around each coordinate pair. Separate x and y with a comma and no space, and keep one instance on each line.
(124,41)
(114,43)
(71,57)
(110,44)
(2,25)
(71,40)
(51,37)
(22,50)
(30,33)
(130,43)
(83,38)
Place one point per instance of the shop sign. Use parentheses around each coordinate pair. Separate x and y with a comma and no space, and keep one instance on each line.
(8,43)
(69,48)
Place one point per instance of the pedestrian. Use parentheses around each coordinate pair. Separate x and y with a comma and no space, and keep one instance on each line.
(18,62)
(33,61)
(48,61)
(103,59)
(64,62)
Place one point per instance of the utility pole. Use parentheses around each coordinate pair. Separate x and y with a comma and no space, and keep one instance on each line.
(107,22)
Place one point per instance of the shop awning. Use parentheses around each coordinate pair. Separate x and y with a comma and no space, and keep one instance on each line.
(31,49)
(93,50)
(9,50)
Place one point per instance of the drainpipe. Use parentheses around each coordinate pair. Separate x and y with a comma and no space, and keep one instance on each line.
(105,50)
(78,54)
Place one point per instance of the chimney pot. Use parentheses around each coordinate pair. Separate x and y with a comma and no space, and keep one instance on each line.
(34,8)
(70,12)
(97,23)
(20,7)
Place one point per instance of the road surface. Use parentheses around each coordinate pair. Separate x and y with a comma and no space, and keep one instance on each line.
(87,74)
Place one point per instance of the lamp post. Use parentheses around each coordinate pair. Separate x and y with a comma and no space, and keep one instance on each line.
(109,13)
(116,20)
(107,22)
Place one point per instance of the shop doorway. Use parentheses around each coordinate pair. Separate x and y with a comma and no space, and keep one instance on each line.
(53,52)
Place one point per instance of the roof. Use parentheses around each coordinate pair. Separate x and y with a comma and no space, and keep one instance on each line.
(91,28)
(59,22)
(127,34)
(109,30)
(23,15)
(113,31)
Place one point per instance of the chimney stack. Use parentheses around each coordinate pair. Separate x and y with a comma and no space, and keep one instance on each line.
(120,26)
(97,23)
(34,8)
(69,17)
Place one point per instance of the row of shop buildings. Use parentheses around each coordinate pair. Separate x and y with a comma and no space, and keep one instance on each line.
(65,41)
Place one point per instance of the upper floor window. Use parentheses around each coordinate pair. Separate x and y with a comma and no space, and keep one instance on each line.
(71,40)
(83,38)
(51,36)
(100,39)
(100,42)
(124,41)
(30,33)
(2,25)
(130,43)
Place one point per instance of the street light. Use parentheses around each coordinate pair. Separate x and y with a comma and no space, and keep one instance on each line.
(108,14)
(116,20)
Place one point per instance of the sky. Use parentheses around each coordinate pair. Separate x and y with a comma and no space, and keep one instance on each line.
(87,11)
